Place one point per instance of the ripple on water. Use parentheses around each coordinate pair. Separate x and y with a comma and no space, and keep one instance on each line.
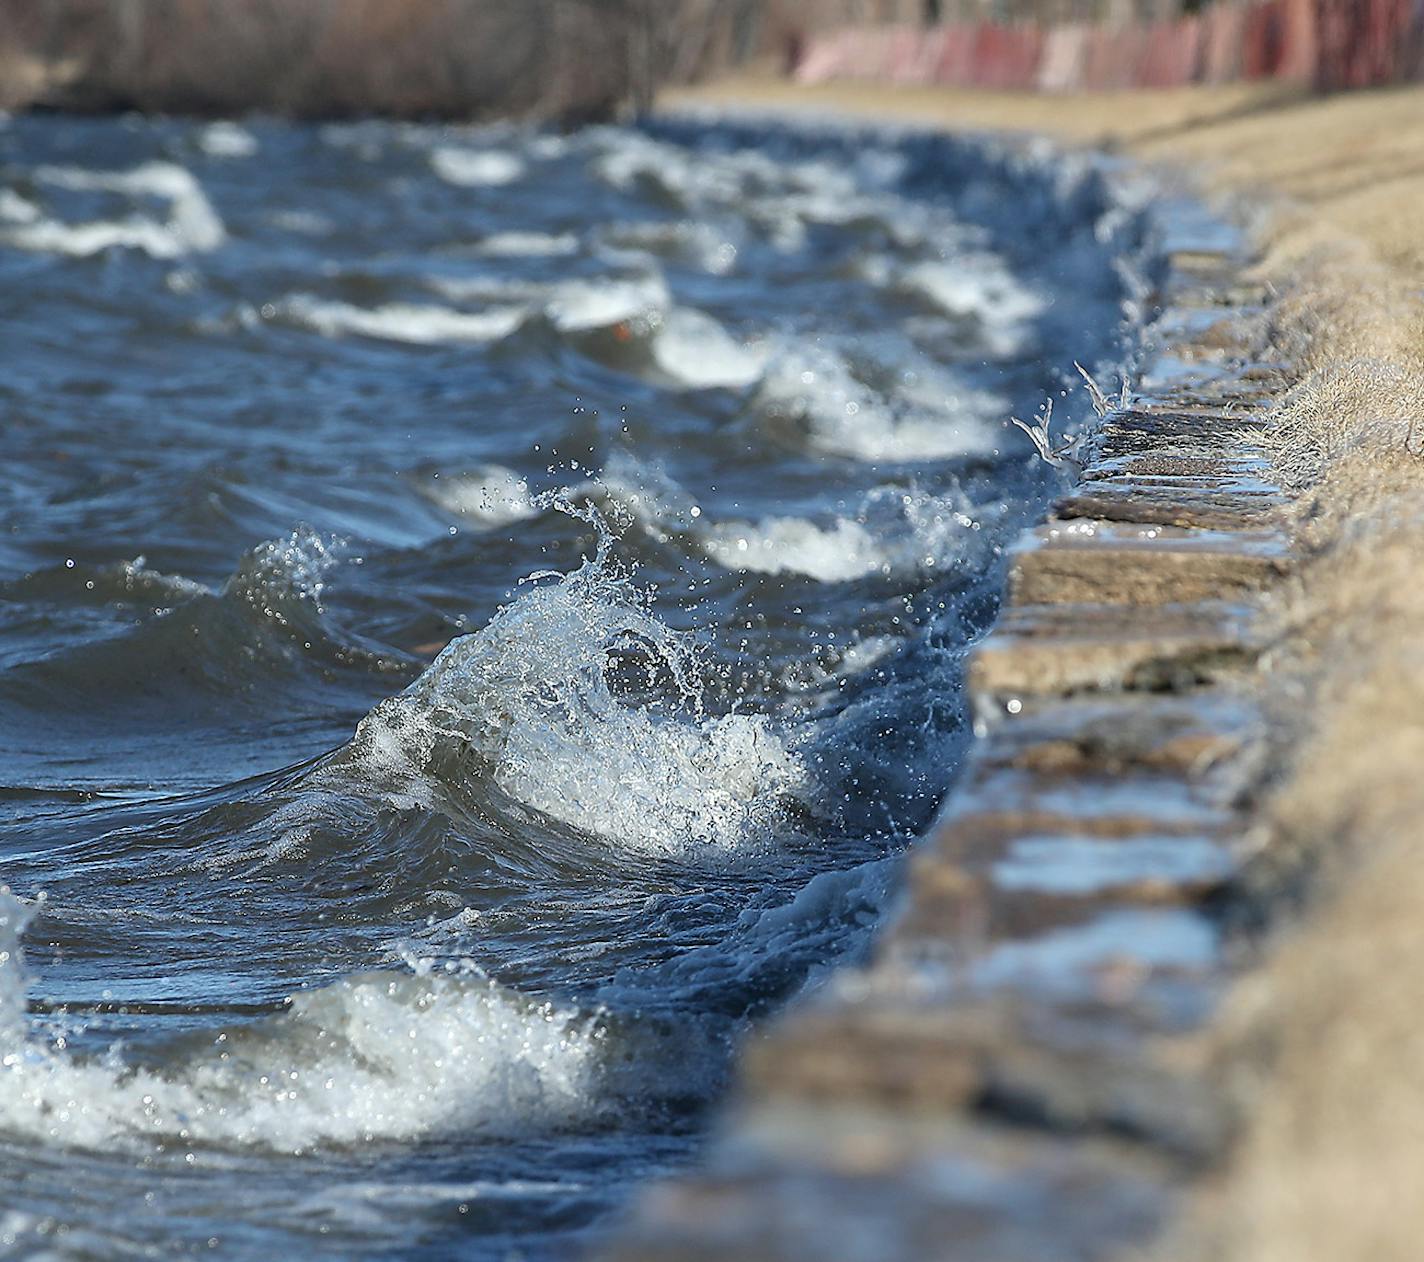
(419,867)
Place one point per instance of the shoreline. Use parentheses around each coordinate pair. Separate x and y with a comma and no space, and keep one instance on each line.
(1277,698)
(1312,1049)
(1323,159)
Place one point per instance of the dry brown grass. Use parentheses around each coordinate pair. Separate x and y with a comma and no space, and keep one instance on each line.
(1329,1035)
(1325,1041)
(1354,329)
(1333,1158)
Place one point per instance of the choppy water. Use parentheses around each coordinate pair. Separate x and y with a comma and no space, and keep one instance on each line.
(691,444)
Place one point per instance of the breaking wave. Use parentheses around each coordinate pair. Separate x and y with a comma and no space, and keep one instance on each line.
(380,1056)
(476,168)
(192,224)
(356,844)
(578,702)
(419,323)
(812,395)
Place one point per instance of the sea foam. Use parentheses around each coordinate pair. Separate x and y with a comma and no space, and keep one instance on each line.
(192,224)
(392,1055)
(476,168)
(815,389)
(418,323)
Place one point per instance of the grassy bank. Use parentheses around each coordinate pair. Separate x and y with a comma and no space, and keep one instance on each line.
(1325,1039)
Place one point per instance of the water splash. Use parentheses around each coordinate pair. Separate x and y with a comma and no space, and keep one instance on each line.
(577,701)
(15,915)
(280,571)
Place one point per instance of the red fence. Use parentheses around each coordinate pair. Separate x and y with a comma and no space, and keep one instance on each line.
(1327,43)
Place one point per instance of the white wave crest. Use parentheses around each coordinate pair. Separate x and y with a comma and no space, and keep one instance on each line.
(492,495)
(476,168)
(815,389)
(528,244)
(581,305)
(416,323)
(227,140)
(894,529)
(694,349)
(192,224)
(982,289)
(17,209)
(48,236)
(779,198)
(385,1055)
(700,180)
(528,294)
(777,545)
(571,306)
(686,345)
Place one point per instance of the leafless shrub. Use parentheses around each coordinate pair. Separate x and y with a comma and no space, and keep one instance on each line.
(1103,405)
(1334,1103)
(1364,395)
(1062,457)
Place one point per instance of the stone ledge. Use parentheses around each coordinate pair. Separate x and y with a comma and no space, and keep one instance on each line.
(1207,503)
(1016,1073)
(1092,1067)
(794,1182)
(1111,735)
(1132,563)
(1062,649)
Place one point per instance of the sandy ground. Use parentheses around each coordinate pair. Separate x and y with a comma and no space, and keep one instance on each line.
(1324,1043)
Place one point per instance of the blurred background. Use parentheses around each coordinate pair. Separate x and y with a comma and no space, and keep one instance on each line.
(575,60)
